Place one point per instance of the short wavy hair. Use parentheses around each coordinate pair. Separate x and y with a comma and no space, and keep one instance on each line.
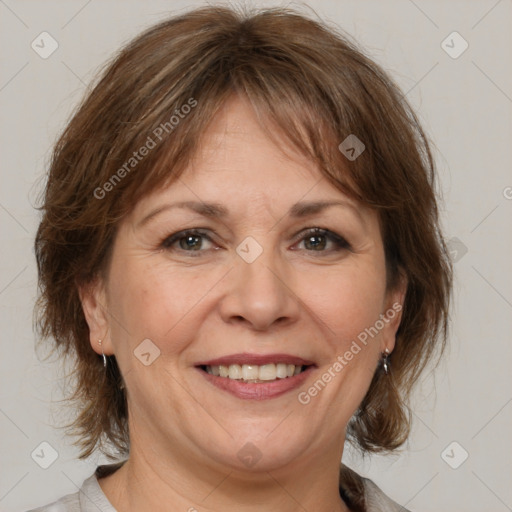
(316,87)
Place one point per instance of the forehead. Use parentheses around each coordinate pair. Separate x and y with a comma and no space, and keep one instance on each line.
(246,160)
(245,168)
(248,148)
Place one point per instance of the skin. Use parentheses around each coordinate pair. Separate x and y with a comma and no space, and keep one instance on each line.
(306,299)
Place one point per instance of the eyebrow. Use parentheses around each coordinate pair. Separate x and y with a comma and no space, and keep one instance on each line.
(219,211)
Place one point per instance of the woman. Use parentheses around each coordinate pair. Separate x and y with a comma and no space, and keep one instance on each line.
(240,250)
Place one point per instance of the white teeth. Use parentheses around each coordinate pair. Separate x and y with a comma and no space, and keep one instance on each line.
(268,372)
(281,371)
(235,371)
(250,372)
(255,373)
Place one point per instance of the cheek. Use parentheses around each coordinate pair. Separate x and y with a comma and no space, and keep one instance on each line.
(150,299)
(348,306)
(348,300)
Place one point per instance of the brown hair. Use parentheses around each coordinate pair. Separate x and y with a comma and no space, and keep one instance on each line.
(315,86)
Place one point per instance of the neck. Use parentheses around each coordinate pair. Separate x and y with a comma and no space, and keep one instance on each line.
(150,481)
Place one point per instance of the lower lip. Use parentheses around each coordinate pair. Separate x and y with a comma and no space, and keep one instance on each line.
(261,391)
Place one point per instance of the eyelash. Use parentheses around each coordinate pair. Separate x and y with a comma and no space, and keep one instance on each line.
(339,241)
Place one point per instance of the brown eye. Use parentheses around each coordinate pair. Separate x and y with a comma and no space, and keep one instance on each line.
(193,242)
(187,241)
(318,239)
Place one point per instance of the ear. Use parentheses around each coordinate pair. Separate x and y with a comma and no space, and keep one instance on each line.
(94,305)
(392,315)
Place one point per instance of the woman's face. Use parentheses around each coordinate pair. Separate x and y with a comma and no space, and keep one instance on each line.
(248,292)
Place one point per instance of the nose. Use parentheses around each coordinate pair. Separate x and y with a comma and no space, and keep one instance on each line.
(260,294)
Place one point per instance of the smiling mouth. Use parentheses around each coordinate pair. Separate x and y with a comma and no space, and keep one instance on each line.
(255,374)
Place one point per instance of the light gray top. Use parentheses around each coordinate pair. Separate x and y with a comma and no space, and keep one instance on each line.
(91,498)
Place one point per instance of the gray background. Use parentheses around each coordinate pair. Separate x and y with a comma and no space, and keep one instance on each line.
(465,104)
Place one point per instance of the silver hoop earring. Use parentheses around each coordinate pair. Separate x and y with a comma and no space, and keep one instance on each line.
(385,361)
(103,354)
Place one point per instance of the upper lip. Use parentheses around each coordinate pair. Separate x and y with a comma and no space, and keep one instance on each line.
(256,359)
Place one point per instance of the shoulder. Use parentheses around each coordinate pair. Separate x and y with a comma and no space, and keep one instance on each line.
(377,501)
(89,498)
(69,503)
(362,494)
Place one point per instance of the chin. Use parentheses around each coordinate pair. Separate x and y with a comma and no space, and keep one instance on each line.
(258,450)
